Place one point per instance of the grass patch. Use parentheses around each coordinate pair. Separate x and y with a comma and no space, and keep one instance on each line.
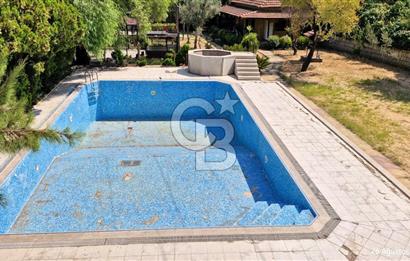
(371,100)
(351,108)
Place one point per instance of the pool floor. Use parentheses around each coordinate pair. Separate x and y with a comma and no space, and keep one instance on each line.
(133,175)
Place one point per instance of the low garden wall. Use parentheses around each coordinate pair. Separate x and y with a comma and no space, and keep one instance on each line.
(394,57)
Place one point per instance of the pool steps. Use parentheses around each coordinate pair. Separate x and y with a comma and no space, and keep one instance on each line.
(262,213)
(253,213)
(267,215)
(246,67)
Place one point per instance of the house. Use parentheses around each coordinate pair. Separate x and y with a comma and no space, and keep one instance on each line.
(267,17)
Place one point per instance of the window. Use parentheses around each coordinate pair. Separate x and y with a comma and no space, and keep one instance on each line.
(269,28)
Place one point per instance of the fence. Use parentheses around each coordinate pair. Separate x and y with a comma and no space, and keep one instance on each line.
(394,57)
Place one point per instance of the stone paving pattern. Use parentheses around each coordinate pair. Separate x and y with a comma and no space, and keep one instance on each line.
(375,216)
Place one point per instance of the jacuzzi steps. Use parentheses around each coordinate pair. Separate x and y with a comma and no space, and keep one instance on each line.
(262,214)
(246,67)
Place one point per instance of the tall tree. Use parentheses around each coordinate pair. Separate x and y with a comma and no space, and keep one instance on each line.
(389,20)
(43,31)
(102,19)
(196,12)
(297,23)
(146,12)
(325,18)
(159,9)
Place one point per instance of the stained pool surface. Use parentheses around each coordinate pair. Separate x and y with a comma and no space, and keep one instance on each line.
(130,173)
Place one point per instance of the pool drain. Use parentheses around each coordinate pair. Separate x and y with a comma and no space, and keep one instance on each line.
(130,163)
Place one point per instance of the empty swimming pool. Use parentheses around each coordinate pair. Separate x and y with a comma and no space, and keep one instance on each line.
(132,171)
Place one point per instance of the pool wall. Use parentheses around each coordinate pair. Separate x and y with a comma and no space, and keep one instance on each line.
(144,100)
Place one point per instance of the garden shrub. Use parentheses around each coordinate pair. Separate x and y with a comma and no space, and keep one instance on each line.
(82,56)
(118,57)
(154,61)
(168,62)
(235,48)
(170,54)
(274,41)
(223,36)
(142,61)
(213,31)
(250,41)
(263,62)
(285,42)
(231,38)
(265,45)
(181,56)
(302,42)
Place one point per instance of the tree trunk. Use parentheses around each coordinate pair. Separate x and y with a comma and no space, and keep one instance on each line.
(196,40)
(295,49)
(312,49)
(308,59)
(138,50)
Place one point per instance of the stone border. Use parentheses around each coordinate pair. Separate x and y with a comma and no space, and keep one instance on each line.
(355,149)
(324,223)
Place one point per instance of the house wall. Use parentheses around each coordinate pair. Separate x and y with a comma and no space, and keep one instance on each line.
(260,27)
(263,24)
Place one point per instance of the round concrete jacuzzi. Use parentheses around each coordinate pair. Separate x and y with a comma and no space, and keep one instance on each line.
(208,62)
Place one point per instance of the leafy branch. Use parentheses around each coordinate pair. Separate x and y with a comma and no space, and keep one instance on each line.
(15,121)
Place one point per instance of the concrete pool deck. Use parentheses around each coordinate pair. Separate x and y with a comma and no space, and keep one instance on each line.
(375,215)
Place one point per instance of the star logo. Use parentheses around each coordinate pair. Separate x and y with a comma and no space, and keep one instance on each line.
(227,104)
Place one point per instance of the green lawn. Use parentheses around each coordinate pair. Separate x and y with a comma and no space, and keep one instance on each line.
(373,110)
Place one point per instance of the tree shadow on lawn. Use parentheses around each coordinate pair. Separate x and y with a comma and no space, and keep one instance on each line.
(390,89)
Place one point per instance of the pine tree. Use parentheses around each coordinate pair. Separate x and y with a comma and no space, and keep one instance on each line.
(15,120)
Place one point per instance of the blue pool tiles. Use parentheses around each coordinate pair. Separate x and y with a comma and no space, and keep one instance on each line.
(164,190)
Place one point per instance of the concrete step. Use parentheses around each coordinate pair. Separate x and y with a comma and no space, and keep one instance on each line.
(286,217)
(253,213)
(249,78)
(267,216)
(245,57)
(253,68)
(305,217)
(246,65)
(247,69)
(245,61)
(248,73)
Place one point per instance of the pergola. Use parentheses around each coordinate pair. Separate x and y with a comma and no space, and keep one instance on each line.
(161,42)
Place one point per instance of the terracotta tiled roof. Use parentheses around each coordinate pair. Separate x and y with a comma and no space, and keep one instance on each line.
(259,3)
(245,13)
(130,21)
(235,11)
(263,15)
